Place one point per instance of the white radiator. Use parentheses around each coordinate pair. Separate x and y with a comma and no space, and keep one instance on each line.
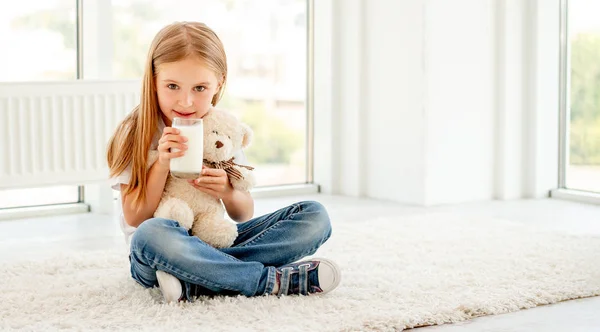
(57,132)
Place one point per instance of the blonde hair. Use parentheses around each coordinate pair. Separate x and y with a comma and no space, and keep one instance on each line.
(131,141)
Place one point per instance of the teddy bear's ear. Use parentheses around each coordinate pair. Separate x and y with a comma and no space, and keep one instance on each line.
(247,135)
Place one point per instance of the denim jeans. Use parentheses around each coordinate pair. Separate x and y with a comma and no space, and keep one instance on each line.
(247,267)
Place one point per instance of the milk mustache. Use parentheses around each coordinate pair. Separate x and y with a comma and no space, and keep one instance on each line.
(190,164)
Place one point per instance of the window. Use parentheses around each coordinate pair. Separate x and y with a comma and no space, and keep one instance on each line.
(39,43)
(582,103)
(39,40)
(266,45)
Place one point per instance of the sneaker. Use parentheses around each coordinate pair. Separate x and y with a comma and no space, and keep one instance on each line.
(310,277)
(169,286)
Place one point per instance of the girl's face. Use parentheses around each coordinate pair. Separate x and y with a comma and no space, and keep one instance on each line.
(185,89)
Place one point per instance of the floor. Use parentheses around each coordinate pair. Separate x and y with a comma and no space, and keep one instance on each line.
(46,236)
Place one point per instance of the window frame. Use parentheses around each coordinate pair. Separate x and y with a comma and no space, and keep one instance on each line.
(563,192)
(97,26)
(94,17)
(45,209)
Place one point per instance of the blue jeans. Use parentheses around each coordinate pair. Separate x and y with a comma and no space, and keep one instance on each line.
(247,267)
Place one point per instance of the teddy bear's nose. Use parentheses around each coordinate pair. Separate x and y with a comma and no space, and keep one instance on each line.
(219,144)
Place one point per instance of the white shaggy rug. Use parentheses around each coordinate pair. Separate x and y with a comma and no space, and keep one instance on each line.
(397,273)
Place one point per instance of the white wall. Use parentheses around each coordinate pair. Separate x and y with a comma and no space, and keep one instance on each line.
(433,102)
(460,84)
(510,98)
(394,108)
(544,138)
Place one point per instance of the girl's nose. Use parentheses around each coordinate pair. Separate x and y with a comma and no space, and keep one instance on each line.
(186,100)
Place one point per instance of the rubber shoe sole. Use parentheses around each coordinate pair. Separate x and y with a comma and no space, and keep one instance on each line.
(169,286)
(329,273)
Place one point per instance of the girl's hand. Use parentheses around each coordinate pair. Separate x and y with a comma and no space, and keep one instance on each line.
(214,182)
(170,139)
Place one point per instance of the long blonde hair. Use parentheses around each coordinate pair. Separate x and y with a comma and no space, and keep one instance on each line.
(131,141)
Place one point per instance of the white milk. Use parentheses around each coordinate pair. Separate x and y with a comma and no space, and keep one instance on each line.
(190,164)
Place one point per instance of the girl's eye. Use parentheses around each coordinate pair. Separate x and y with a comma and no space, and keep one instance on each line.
(172,86)
(200,88)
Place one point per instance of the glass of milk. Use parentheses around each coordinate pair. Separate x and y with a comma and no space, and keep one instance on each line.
(189,165)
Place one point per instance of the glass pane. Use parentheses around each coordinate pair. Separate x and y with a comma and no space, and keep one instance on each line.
(39,40)
(40,44)
(10,198)
(583,168)
(265,41)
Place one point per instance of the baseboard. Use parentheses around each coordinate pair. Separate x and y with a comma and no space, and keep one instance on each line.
(285,190)
(576,195)
(43,211)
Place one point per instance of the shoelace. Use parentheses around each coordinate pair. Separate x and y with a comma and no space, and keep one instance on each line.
(285,280)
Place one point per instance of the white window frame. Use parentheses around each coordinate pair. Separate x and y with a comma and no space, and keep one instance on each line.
(98,29)
(562,192)
(94,61)
(56,208)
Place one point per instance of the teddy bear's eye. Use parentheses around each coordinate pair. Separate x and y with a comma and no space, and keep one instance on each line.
(215,132)
(228,136)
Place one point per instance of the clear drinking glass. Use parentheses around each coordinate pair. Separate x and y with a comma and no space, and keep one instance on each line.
(190,164)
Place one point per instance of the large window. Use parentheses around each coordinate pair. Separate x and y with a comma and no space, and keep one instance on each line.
(38,39)
(581,77)
(266,45)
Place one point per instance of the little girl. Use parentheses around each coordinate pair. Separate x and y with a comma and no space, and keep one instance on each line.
(185,75)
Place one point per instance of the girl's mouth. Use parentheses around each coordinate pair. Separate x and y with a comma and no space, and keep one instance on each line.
(183,115)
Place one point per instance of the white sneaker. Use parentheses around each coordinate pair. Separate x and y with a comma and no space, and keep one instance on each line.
(169,286)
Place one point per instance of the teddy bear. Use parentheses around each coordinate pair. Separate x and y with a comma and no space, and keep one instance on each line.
(203,214)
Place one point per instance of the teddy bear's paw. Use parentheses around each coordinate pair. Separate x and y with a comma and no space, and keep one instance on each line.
(220,234)
(175,209)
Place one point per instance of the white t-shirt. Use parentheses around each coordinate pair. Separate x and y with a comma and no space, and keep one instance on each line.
(124,178)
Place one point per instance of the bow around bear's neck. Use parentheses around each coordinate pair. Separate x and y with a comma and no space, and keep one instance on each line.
(228,167)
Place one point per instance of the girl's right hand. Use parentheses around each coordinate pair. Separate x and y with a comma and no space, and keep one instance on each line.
(170,139)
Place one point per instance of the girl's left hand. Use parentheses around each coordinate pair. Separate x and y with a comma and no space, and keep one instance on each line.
(214,182)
